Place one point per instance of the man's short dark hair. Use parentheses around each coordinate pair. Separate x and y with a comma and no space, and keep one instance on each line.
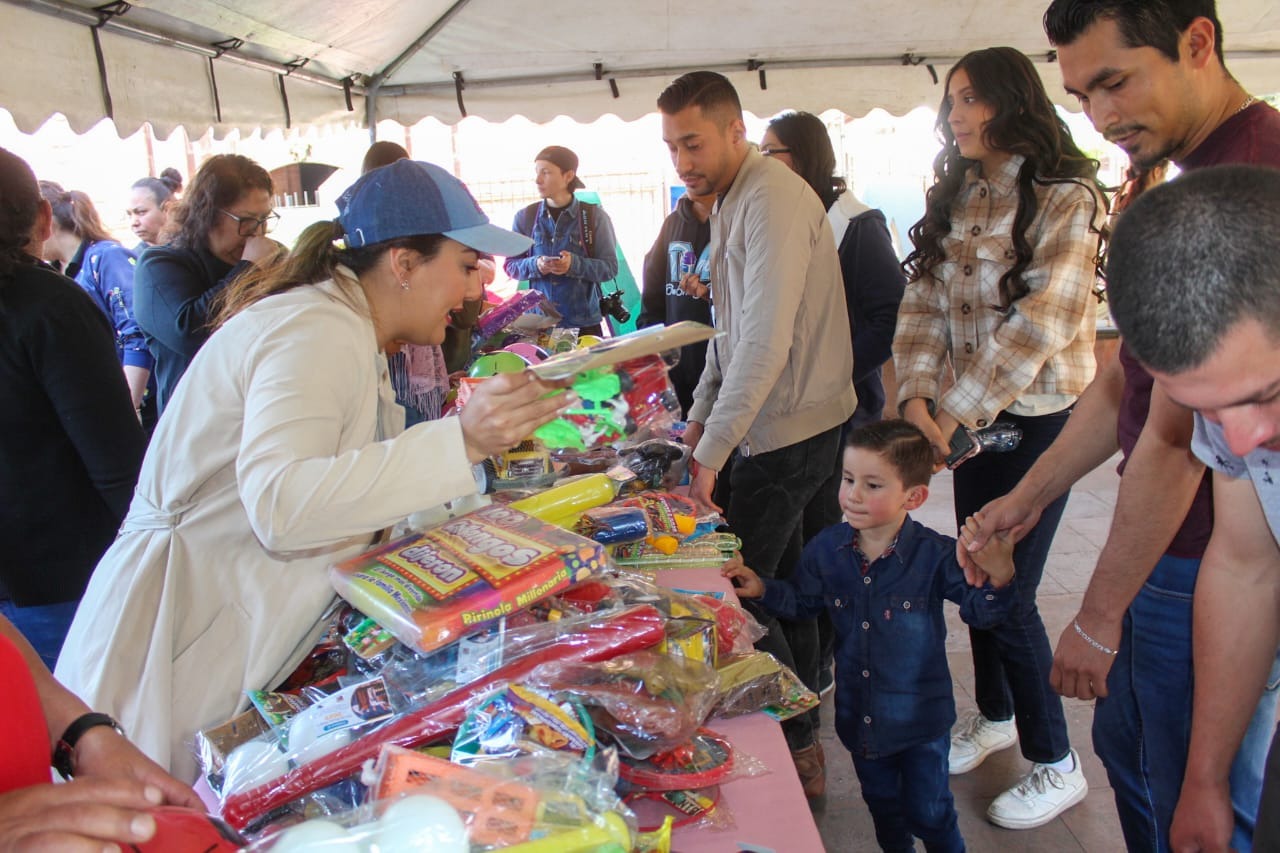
(902,445)
(1142,23)
(1192,258)
(707,90)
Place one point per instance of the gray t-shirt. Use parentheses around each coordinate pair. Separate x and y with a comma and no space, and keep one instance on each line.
(1262,466)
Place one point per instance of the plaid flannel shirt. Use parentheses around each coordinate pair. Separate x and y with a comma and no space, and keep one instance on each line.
(1043,345)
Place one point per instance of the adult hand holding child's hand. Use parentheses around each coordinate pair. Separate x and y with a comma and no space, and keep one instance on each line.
(994,561)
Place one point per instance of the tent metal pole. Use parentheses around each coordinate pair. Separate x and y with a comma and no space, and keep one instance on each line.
(1039,56)
(66,11)
(374,85)
(421,41)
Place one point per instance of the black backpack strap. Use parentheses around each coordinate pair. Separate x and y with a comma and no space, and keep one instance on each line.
(587,220)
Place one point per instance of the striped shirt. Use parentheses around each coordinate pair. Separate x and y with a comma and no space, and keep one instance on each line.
(1036,357)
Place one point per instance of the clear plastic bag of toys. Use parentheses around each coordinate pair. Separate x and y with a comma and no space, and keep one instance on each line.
(431,589)
(695,809)
(706,758)
(657,462)
(644,702)
(435,698)
(519,719)
(759,682)
(632,399)
(531,804)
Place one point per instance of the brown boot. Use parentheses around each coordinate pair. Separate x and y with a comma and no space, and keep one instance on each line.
(812,770)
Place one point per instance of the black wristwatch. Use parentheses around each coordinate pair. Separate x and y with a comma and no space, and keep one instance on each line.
(64,752)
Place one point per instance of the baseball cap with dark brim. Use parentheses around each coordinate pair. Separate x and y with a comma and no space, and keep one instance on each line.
(410,198)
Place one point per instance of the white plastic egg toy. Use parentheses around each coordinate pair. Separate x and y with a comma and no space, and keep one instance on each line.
(308,740)
(422,822)
(322,745)
(316,836)
(252,764)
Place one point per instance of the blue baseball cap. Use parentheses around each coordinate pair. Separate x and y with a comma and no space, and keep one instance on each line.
(409,198)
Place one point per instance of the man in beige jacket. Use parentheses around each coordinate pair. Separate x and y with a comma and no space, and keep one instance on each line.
(776,390)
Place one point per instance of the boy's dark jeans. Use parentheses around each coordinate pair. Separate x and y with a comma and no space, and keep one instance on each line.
(767,496)
(1011,663)
(909,795)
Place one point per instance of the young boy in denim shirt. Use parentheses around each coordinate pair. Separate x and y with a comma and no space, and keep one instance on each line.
(883,577)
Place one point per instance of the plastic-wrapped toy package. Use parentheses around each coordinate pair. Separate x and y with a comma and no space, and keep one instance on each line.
(643,702)
(518,720)
(501,316)
(420,802)
(650,396)
(705,552)
(565,502)
(614,525)
(433,588)
(274,778)
(707,758)
(550,800)
(691,808)
(686,780)
(633,398)
(735,630)
(759,682)
(658,462)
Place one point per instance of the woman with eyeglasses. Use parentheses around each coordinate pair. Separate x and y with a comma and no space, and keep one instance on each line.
(220,233)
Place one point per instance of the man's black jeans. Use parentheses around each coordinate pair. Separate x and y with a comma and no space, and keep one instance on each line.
(766,498)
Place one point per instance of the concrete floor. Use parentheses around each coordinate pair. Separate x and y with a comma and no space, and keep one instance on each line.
(843,820)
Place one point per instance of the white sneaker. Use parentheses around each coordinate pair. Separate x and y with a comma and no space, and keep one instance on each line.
(1042,795)
(975,738)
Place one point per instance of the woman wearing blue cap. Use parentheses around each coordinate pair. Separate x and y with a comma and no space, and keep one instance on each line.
(285,453)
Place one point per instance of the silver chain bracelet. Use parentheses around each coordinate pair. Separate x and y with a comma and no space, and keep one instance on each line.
(1091,641)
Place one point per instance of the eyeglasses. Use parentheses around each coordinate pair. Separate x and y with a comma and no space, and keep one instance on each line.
(770,152)
(248,226)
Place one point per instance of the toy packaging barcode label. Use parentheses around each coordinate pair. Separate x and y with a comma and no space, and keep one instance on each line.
(432,588)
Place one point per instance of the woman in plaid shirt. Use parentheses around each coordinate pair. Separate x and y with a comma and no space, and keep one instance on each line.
(1001,279)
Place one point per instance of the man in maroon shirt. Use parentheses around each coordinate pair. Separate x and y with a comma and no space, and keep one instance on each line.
(1150,75)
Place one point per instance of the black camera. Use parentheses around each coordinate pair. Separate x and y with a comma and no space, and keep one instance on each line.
(611,306)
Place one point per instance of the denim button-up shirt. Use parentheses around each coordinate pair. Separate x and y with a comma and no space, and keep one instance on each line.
(576,295)
(893,686)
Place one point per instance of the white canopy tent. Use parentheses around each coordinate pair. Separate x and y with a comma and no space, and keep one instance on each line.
(244,64)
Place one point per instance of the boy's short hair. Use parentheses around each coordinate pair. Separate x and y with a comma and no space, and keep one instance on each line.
(903,446)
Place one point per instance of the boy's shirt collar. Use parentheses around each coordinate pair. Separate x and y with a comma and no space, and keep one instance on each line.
(864,562)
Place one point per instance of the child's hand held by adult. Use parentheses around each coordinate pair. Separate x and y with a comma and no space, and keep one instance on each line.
(995,559)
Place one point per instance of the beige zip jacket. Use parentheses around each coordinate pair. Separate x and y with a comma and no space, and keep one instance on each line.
(781,372)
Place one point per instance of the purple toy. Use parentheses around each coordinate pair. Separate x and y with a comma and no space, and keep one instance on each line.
(508,312)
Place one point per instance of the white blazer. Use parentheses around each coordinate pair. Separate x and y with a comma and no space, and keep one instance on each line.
(282,451)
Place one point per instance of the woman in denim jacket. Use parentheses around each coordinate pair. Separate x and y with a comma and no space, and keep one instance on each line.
(104,269)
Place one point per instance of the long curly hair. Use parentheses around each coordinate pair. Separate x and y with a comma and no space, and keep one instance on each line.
(1024,123)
